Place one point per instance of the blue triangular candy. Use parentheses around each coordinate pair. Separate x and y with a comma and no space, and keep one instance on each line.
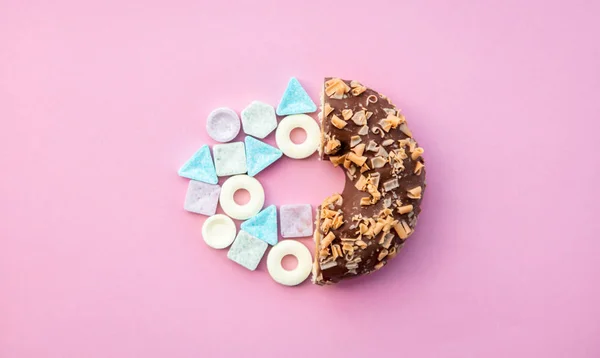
(295,100)
(200,167)
(259,155)
(263,225)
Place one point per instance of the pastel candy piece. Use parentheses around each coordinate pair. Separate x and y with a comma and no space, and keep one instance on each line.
(289,277)
(202,198)
(263,225)
(259,155)
(218,231)
(200,167)
(223,124)
(252,207)
(295,100)
(296,220)
(258,119)
(247,250)
(230,158)
(310,144)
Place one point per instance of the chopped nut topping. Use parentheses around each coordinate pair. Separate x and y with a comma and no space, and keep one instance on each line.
(355,84)
(402,229)
(387,240)
(337,122)
(416,153)
(374,179)
(418,167)
(336,88)
(347,114)
(364,130)
(382,254)
(361,183)
(352,170)
(361,244)
(359,149)
(405,209)
(354,140)
(415,193)
(391,185)
(372,146)
(347,249)
(404,129)
(378,227)
(372,99)
(329,214)
(337,160)
(390,111)
(377,130)
(326,225)
(335,199)
(369,114)
(359,118)
(328,265)
(358,90)
(393,253)
(356,159)
(347,162)
(338,221)
(332,146)
(327,109)
(387,202)
(379,265)
(365,201)
(378,162)
(382,152)
(364,168)
(387,142)
(327,240)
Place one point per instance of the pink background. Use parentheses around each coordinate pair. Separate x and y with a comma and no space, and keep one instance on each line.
(101,102)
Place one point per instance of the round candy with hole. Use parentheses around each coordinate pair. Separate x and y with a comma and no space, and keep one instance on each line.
(289,277)
(291,149)
(218,231)
(252,207)
(223,124)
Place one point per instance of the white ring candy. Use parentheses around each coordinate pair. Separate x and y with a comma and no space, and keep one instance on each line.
(218,231)
(302,150)
(252,207)
(289,277)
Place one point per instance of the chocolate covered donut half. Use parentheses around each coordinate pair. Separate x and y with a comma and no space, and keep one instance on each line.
(361,229)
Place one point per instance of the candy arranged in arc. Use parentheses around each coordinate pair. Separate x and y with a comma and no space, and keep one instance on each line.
(223,124)
(296,220)
(202,198)
(200,167)
(289,277)
(263,225)
(218,231)
(258,119)
(302,150)
(247,250)
(295,100)
(230,158)
(252,207)
(259,155)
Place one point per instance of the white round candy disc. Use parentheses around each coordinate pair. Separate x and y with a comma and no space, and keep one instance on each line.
(302,150)
(252,207)
(223,124)
(289,277)
(218,231)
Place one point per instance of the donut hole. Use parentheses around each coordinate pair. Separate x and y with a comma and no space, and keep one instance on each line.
(298,135)
(241,196)
(289,262)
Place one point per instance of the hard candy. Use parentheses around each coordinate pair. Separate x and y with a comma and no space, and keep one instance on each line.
(296,220)
(263,225)
(258,119)
(200,167)
(202,198)
(295,100)
(259,155)
(247,250)
(230,158)
(223,124)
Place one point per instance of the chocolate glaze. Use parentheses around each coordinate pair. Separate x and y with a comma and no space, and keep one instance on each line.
(350,207)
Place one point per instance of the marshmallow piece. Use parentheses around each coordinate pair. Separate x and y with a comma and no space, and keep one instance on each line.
(202,198)
(230,158)
(200,167)
(295,100)
(247,250)
(223,124)
(259,155)
(263,225)
(218,231)
(296,220)
(289,277)
(258,119)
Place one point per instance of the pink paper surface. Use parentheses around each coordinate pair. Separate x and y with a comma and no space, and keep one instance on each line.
(102,101)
